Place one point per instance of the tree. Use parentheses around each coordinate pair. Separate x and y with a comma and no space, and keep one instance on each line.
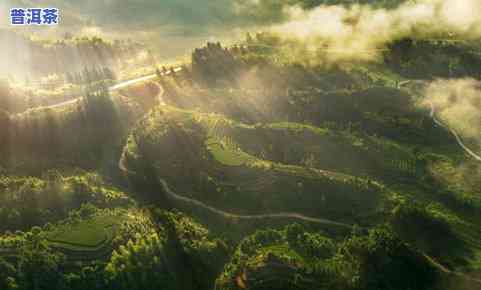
(380,260)
(7,275)
(38,267)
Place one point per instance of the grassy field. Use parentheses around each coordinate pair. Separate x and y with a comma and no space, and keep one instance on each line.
(92,233)
(204,149)
(226,153)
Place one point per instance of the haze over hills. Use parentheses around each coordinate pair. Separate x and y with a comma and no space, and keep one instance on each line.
(173,26)
(316,145)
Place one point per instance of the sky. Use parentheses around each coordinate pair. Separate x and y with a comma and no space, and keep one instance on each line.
(188,16)
(170,26)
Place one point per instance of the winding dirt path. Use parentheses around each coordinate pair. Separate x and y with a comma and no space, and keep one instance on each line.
(289,215)
(173,196)
(445,270)
(295,216)
(176,198)
(113,88)
(460,142)
(456,135)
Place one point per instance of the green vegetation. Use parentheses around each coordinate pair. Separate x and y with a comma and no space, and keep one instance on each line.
(297,259)
(86,234)
(62,57)
(227,177)
(226,153)
(29,201)
(86,134)
(180,253)
(273,163)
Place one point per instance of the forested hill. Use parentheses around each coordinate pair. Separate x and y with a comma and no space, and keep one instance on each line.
(25,58)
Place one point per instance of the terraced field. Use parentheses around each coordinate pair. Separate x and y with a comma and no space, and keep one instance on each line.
(354,153)
(225,151)
(93,233)
(239,182)
(88,239)
(229,159)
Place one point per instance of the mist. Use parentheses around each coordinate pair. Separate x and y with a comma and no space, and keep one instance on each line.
(342,32)
(457,103)
(362,32)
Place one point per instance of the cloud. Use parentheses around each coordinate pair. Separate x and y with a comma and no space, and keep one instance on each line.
(458,103)
(344,32)
(361,31)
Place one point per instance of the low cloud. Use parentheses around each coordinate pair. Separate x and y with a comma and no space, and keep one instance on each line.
(457,103)
(338,32)
(361,31)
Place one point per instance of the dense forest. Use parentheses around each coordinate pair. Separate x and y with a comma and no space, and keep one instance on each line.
(27,58)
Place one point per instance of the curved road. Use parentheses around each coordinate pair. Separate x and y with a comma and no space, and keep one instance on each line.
(445,270)
(112,88)
(176,197)
(179,198)
(177,69)
(296,216)
(454,133)
(459,140)
(288,215)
